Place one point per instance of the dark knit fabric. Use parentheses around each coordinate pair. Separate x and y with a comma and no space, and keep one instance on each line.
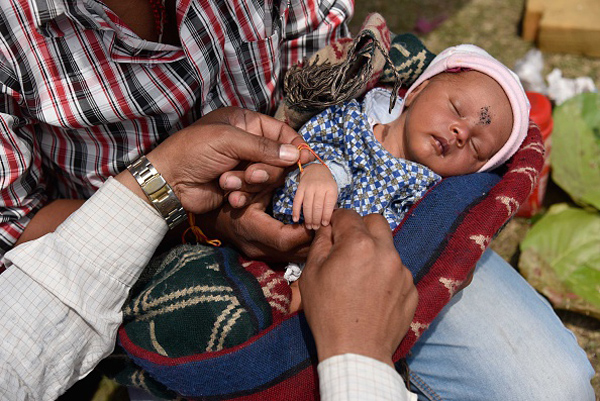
(198,302)
(201,287)
(409,59)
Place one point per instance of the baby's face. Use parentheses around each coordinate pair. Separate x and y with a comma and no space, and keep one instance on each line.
(455,122)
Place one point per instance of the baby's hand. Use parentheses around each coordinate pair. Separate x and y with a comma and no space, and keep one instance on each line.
(316,196)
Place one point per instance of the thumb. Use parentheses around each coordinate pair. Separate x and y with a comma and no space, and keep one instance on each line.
(320,248)
(241,145)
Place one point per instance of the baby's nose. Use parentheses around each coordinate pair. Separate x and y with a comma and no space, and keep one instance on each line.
(460,132)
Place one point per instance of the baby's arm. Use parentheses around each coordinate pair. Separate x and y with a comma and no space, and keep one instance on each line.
(316,196)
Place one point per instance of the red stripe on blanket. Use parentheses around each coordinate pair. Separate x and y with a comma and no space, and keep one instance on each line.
(467,243)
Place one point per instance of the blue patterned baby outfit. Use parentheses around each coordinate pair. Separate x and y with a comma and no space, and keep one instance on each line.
(369,178)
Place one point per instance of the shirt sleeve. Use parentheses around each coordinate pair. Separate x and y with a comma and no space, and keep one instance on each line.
(355,377)
(22,189)
(62,294)
(312,25)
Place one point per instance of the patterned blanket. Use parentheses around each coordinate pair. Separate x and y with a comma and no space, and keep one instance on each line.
(207,324)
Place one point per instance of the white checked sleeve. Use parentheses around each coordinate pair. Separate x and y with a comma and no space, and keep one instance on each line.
(350,377)
(62,294)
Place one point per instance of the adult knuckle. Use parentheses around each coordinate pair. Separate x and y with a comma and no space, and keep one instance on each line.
(391,266)
(363,245)
(237,116)
(239,228)
(265,145)
(278,243)
(412,297)
(390,257)
(404,272)
(283,245)
(251,252)
(282,131)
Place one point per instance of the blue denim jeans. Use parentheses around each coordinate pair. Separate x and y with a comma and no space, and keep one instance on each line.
(499,340)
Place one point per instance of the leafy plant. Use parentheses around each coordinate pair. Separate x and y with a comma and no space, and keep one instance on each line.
(575,156)
(560,257)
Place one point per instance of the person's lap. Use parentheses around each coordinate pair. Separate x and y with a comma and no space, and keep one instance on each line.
(496,340)
(499,340)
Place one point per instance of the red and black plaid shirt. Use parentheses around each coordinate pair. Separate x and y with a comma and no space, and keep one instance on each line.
(82,96)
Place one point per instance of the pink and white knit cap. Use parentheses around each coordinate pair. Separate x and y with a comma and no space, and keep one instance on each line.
(475,58)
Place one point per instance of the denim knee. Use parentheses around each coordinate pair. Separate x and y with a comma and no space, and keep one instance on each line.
(500,340)
(565,377)
(568,378)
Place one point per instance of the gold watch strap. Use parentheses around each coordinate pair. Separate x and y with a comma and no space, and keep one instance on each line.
(157,190)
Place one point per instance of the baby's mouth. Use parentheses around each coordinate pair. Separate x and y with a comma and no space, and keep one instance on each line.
(441,144)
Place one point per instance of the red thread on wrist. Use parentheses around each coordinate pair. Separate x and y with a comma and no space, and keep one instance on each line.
(306,147)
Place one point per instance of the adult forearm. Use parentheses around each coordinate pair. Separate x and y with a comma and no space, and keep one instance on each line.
(48,218)
(62,293)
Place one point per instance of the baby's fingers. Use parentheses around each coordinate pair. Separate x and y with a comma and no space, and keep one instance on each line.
(328,206)
(297,205)
(307,208)
(317,215)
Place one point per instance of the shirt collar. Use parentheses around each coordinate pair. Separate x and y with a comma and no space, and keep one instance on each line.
(376,106)
(46,14)
(123,46)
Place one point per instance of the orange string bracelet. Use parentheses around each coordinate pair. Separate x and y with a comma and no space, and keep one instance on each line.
(200,236)
(306,147)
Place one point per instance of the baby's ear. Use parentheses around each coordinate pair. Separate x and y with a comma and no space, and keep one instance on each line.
(410,97)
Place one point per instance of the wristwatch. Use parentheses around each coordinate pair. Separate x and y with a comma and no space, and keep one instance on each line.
(160,193)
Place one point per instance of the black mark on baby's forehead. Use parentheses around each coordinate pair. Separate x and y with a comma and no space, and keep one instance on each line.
(485,117)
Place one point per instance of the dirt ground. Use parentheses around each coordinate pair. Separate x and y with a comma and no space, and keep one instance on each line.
(495,26)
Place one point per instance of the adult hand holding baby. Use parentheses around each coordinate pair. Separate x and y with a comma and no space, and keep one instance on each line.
(193,159)
(207,162)
(357,295)
(198,160)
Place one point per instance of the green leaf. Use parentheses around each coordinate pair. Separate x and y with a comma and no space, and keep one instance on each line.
(575,154)
(560,257)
